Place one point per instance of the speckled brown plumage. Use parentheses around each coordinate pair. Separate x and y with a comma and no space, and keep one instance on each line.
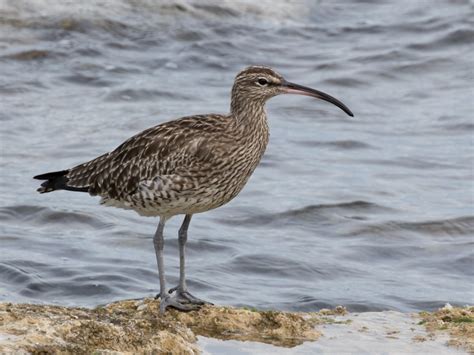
(186,166)
(189,165)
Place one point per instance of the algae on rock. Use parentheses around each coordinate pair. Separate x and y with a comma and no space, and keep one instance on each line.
(135,326)
(458,322)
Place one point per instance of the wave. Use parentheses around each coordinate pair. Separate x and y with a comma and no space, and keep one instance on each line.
(144,94)
(40,216)
(308,213)
(339,144)
(124,17)
(456,37)
(460,226)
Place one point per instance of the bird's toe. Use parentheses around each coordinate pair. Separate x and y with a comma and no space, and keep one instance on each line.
(173,302)
(185,296)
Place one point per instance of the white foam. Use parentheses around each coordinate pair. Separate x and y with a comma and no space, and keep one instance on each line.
(271,11)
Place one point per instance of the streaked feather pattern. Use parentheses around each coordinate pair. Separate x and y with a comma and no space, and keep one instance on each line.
(188,165)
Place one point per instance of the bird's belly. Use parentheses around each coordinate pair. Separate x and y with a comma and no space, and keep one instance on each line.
(174,194)
(174,203)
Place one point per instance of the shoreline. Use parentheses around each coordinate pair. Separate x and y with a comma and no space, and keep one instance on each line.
(132,326)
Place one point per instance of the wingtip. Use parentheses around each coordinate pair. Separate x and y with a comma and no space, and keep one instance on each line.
(51,175)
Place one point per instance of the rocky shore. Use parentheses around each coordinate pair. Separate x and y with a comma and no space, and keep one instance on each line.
(134,326)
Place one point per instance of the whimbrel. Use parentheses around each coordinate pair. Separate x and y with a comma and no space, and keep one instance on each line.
(186,166)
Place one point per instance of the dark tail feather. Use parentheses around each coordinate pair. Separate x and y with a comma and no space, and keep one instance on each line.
(56,180)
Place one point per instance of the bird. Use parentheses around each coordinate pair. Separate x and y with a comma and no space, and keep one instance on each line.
(185,166)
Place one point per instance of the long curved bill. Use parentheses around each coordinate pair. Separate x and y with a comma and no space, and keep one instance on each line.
(291,88)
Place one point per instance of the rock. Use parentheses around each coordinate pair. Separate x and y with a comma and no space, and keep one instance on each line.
(137,327)
(456,321)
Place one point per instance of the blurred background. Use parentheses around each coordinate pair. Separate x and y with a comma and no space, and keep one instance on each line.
(373,213)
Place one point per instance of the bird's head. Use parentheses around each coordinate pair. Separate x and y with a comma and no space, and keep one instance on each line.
(257,84)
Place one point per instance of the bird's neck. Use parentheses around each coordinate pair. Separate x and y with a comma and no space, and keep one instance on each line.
(249,117)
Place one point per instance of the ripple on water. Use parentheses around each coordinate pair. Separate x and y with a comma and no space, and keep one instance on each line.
(339,144)
(88,80)
(312,213)
(35,55)
(346,82)
(13,274)
(142,94)
(270,265)
(46,282)
(453,38)
(467,128)
(426,65)
(43,216)
(48,290)
(449,227)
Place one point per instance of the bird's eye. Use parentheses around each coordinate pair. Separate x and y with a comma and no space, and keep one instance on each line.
(262,82)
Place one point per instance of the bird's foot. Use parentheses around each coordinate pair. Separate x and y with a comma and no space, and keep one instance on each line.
(174,302)
(184,296)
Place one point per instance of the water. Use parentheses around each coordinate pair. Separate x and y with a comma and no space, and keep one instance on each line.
(372,213)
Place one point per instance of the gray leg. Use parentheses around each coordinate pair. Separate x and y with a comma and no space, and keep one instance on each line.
(182,293)
(159,243)
(166,299)
(182,239)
